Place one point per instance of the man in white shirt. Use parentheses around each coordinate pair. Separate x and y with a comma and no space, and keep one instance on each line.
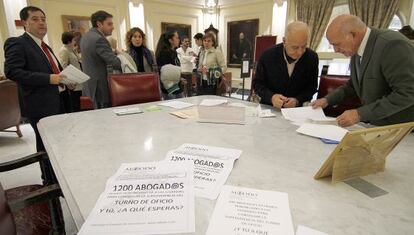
(186,56)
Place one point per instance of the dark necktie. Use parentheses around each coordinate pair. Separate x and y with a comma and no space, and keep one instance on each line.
(358,66)
(49,57)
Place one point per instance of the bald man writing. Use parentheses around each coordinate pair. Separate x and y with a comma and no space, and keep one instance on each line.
(287,73)
(382,73)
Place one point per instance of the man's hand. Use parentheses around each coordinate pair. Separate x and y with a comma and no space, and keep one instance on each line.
(348,118)
(320,103)
(278,100)
(290,103)
(56,79)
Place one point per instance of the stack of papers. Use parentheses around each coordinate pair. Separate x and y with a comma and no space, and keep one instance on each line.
(306,114)
(145,198)
(213,102)
(176,104)
(222,114)
(73,75)
(250,211)
(212,166)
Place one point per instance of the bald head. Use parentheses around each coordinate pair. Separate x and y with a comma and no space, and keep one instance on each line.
(345,33)
(297,30)
(344,24)
(296,39)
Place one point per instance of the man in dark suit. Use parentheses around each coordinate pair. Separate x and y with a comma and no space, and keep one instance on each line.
(382,73)
(97,57)
(35,68)
(287,73)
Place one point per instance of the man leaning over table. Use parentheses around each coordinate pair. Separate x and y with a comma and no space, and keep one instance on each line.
(382,73)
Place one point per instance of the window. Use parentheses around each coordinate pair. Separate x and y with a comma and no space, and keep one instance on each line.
(396,23)
(324,46)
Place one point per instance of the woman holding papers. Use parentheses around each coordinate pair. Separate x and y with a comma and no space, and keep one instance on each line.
(211,66)
(69,56)
(167,55)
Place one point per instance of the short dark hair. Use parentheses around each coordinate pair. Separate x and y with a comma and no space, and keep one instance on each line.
(24,13)
(99,16)
(198,36)
(67,37)
(184,37)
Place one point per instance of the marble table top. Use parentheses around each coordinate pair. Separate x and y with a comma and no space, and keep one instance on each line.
(86,148)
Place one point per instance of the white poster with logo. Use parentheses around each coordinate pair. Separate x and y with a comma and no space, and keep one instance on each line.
(242,211)
(145,198)
(212,166)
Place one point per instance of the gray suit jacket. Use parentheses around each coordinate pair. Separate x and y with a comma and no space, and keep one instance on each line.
(96,55)
(386,87)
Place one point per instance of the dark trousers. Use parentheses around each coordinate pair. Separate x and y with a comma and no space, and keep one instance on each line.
(70,101)
(48,175)
(75,100)
(188,88)
(49,178)
(204,89)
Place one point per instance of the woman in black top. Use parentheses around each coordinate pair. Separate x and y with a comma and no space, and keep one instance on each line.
(137,49)
(166,54)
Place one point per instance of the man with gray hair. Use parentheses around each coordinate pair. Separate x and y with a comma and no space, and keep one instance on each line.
(382,73)
(287,73)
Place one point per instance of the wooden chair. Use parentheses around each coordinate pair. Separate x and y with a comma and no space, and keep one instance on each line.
(134,88)
(327,84)
(30,209)
(9,107)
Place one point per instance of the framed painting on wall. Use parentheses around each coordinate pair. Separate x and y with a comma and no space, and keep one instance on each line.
(240,41)
(182,29)
(79,24)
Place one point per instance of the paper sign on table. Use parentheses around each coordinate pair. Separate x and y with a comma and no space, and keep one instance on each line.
(212,166)
(145,198)
(250,211)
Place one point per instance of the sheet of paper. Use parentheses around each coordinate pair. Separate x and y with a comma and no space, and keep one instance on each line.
(301,114)
(329,132)
(74,75)
(303,230)
(212,166)
(250,211)
(222,114)
(212,102)
(210,174)
(186,114)
(145,198)
(126,111)
(209,151)
(176,104)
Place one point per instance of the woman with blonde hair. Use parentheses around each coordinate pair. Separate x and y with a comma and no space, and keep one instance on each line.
(211,66)
(137,49)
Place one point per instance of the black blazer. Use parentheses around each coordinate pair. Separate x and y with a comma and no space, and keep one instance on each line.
(28,66)
(272,76)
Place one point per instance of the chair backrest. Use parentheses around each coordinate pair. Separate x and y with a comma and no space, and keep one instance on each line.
(327,84)
(7,225)
(9,104)
(134,88)
(86,103)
